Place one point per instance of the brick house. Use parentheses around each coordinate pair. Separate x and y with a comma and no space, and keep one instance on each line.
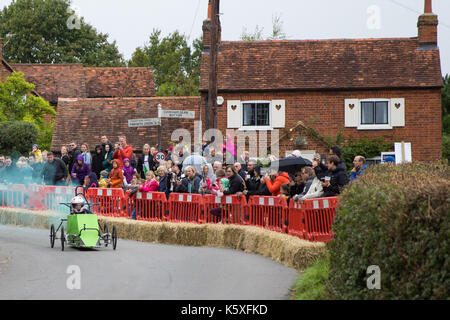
(362,87)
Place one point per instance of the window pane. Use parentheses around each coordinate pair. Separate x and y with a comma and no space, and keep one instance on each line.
(381,112)
(263,114)
(249,114)
(367,112)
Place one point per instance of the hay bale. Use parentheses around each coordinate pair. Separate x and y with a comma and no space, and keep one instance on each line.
(282,248)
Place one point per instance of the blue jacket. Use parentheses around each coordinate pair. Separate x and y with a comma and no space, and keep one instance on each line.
(360,172)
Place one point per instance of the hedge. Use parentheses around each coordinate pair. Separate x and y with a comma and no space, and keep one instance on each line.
(397,218)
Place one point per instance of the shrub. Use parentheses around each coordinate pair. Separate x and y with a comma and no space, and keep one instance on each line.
(446,147)
(17,137)
(395,217)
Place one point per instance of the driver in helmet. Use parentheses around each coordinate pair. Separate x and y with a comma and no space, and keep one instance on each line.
(79,206)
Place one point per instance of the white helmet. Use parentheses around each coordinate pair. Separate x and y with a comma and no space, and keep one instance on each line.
(77,204)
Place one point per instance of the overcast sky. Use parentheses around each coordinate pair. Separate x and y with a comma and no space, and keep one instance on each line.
(131,22)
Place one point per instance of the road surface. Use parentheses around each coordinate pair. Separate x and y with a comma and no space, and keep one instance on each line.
(30,269)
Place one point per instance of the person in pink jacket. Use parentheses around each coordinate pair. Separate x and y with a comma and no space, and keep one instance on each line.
(150,185)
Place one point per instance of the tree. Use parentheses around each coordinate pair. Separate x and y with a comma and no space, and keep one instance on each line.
(257,35)
(175,65)
(17,137)
(48,31)
(446,105)
(18,103)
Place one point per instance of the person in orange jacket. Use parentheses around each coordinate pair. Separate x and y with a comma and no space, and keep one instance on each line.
(122,151)
(115,176)
(275,181)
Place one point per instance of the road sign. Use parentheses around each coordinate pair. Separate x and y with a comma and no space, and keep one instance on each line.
(180,114)
(136,123)
(160,156)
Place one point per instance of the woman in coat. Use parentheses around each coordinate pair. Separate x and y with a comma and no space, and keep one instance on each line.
(107,159)
(79,171)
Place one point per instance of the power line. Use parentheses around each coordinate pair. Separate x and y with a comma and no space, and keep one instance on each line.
(195,19)
(415,11)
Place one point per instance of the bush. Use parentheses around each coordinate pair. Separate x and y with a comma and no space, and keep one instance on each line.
(366,148)
(446,147)
(395,217)
(17,137)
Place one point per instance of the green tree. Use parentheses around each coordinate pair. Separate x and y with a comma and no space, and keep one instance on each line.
(17,137)
(49,31)
(446,105)
(257,35)
(176,66)
(18,103)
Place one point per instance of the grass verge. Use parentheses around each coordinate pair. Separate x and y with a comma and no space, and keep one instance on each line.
(312,282)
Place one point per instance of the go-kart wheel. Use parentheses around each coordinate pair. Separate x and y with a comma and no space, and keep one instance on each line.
(114,237)
(105,232)
(52,236)
(63,238)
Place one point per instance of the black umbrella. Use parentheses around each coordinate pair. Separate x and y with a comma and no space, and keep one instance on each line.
(291,165)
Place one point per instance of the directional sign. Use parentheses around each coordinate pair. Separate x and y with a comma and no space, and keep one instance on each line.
(180,114)
(136,123)
(160,156)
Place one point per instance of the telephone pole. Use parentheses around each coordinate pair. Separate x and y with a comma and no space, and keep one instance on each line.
(212,91)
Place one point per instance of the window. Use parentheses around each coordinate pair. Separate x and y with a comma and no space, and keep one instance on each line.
(374,112)
(256,114)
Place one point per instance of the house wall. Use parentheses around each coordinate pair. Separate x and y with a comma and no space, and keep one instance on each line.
(324,111)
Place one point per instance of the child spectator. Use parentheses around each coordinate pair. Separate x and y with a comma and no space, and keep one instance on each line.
(80,170)
(102,183)
(128,170)
(150,185)
(36,153)
(285,191)
(115,176)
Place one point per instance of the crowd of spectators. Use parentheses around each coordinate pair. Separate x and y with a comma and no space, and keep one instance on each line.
(204,172)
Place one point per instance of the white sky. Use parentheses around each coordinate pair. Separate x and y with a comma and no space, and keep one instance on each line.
(131,22)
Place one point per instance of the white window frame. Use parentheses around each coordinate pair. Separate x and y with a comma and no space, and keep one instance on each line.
(387,126)
(256,128)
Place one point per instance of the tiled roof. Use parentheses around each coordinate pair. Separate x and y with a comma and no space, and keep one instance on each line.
(55,81)
(324,64)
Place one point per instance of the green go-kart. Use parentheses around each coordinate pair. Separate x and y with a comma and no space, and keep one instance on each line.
(83,230)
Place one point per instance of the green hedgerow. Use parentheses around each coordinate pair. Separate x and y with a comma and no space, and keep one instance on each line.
(397,218)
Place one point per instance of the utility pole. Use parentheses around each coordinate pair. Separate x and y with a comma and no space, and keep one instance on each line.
(212,91)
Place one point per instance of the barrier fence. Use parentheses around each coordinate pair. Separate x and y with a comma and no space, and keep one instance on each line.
(311,220)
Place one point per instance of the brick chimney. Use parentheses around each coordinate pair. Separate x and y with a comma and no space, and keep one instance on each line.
(207,29)
(427,25)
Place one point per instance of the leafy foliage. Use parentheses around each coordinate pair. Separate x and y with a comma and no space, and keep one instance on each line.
(40,31)
(397,218)
(176,66)
(17,137)
(364,147)
(446,147)
(257,35)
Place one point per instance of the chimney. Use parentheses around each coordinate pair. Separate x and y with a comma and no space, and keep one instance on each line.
(427,25)
(207,29)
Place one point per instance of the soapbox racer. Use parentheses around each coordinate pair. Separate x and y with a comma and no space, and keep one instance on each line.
(83,229)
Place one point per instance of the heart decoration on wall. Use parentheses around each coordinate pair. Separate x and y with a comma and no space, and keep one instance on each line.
(233,108)
(351,106)
(278,107)
(398,105)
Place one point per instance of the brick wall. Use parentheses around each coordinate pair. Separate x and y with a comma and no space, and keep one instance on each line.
(86,120)
(324,111)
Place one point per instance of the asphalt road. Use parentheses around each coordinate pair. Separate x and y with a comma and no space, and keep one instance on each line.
(30,269)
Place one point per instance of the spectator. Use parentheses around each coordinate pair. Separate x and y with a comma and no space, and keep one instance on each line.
(240,170)
(79,171)
(37,170)
(313,187)
(97,161)
(105,142)
(123,151)
(229,150)
(275,181)
(73,154)
(115,178)
(103,183)
(190,183)
(319,168)
(25,171)
(195,160)
(145,162)
(298,184)
(169,153)
(164,182)
(87,158)
(150,185)
(237,184)
(335,179)
(128,171)
(359,168)
(54,171)
(90,181)
(107,158)
(222,181)
(244,159)
(211,156)
(206,182)
(36,153)
(9,171)
(256,185)
(217,166)
(65,156)
(336,151)
(285,191)
(2,166)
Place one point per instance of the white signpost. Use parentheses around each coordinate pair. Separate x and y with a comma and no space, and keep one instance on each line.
(136,123)
(178,114)
(403,152)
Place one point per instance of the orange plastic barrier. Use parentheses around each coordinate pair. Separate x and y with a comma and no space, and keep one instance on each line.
(227,209)
(54,195)
(107,202)
(148,206)
(185,207)
(268,212)
(12,196)
(35,200)
(296,220)
(319,217)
